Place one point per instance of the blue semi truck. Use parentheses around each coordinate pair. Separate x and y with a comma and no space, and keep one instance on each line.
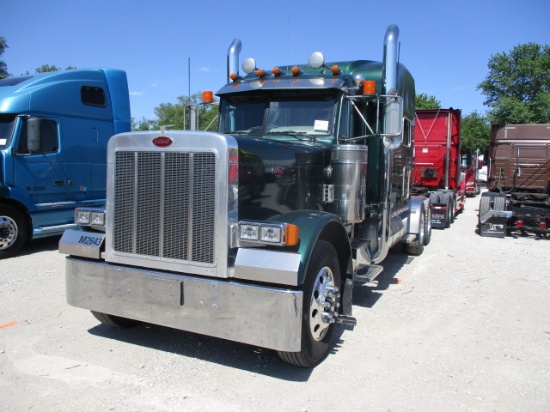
(54,129)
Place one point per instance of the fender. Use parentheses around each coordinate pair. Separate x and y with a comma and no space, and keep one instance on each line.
(15,194)
(316,225)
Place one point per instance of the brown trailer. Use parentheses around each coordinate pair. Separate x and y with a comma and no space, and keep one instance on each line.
(518,181)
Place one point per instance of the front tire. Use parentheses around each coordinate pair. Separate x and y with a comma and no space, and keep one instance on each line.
(114,321)
(13,231)
(320,307)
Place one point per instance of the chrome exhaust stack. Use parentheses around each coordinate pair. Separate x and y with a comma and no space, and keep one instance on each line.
(233,58)
(393,116)
(391,59)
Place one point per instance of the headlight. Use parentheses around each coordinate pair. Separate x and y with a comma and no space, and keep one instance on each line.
(249,232)
(277,234)
(82,217)
(94,217)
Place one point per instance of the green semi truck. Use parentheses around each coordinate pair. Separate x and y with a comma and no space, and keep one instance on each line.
(257,233)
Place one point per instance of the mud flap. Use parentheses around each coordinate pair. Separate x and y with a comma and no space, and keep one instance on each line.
(439,216)
(493,227)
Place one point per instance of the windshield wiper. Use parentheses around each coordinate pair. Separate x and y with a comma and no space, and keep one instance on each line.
(292,133)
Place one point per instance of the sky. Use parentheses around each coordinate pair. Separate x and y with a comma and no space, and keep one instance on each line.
(171,48)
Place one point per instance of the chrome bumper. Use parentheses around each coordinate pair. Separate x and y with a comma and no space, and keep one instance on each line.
(255,315)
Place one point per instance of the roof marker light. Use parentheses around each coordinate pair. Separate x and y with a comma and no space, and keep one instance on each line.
(277,72)
(335,69)
(296,71)
(369,87)
(207,97)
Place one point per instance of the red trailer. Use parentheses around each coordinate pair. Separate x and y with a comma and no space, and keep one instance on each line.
(438,171)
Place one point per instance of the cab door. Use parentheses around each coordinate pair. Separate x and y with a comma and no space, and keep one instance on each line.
(37,163)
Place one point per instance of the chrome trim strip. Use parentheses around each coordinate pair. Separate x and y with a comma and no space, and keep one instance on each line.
(267,266)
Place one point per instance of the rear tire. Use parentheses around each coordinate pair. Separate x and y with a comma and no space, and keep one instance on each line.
(445,198)
(416,247)
(320,307)
(428,227)
(13,231)
(114,321)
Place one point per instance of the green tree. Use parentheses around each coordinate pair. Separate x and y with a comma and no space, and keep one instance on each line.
(423,101)
(517,88)
(474,132)
(177,115)
(143,124)
(3,67)
(47,68)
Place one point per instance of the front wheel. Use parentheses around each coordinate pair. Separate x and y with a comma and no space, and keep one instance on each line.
(13,231)
(320,307)
(114,321)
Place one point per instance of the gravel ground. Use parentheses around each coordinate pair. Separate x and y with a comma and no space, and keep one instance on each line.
(463,327)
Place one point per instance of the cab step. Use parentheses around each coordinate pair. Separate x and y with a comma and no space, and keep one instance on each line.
(367,274)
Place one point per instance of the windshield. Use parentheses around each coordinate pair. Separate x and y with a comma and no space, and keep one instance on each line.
(7,123)
(312,116)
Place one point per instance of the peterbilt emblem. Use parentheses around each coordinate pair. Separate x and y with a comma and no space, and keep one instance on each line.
(162,141)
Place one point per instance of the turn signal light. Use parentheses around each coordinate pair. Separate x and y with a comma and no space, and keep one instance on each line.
(292,235)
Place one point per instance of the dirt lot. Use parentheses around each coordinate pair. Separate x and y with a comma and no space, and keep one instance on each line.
(464,327)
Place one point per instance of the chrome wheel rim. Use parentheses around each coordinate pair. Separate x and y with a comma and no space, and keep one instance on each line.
(8,232)
(322,311)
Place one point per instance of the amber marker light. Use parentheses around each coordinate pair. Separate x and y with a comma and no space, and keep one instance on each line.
(292,235)
(260,73)
(369,87)
(207,96)
(233,76)
(335,69)
(295,71)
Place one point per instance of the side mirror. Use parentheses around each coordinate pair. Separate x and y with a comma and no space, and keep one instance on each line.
(393,134)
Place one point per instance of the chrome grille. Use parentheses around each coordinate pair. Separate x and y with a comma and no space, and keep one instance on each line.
(164,205)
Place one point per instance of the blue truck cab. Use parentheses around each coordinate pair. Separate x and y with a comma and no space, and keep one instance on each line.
(54,129)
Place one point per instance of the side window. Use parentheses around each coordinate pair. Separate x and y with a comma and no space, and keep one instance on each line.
(93,96)
(38,135)
(50,140)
